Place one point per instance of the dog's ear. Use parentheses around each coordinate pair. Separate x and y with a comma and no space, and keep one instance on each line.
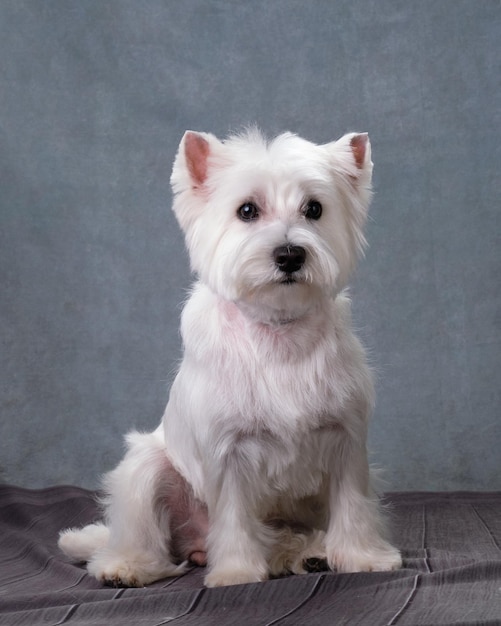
(191,166)
(190,174)
(350,159)
(360,146)
(354,149)
(352,156)
(196,152)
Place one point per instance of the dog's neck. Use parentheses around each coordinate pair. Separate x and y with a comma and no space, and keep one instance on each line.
(281,320)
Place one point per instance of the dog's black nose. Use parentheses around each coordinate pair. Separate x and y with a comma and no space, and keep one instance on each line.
(289,259)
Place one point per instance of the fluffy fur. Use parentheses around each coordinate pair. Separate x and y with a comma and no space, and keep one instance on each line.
(260,461)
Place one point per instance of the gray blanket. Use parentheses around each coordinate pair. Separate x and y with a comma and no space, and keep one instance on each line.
(451,545)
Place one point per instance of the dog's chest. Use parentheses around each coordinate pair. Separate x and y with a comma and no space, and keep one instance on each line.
(278,402)
(297,376)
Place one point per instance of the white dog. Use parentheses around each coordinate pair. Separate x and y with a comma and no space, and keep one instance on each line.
(260,461)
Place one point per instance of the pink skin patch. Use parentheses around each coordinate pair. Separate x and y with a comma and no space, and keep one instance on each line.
(198,558)
(188,520)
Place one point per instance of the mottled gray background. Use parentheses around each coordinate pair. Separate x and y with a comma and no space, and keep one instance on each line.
(94,98)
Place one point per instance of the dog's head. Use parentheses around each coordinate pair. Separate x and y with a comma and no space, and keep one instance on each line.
(272,226)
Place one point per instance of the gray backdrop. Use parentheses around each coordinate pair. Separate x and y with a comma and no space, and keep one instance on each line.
(94,98)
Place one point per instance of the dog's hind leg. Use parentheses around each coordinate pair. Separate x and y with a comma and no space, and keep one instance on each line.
(133,547)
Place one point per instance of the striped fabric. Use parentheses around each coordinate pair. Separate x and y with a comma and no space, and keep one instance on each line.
(452,575)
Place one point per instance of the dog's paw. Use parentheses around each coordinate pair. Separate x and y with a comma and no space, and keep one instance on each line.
(369,560)
(121,571)
(224,577)
(293,550)
(118,573)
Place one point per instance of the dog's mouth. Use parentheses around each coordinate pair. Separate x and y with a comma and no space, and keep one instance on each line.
(288,280)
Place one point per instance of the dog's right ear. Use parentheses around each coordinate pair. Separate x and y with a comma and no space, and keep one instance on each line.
(196,152)
(190,174)
(191,165)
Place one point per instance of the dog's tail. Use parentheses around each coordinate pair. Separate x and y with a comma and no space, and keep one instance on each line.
(80,544)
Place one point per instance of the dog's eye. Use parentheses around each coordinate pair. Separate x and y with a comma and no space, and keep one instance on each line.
(248,212)
(313,210)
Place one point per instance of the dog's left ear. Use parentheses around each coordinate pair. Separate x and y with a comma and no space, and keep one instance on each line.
(350,159)
(360,145)
(352,154)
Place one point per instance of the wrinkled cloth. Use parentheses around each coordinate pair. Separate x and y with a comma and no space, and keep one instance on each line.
(451,545)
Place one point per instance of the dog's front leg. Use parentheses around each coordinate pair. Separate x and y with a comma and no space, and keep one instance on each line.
(238,541)
(355,537)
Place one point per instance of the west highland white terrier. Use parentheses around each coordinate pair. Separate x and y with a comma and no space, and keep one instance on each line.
(260,461)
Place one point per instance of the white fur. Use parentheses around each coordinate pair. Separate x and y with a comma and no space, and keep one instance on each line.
(267,417)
